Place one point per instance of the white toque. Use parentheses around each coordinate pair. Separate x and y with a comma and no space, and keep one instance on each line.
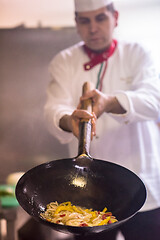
(90,5)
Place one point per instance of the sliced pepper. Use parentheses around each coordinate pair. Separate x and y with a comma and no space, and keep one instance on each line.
(104,210)
(63,208)
(105,221)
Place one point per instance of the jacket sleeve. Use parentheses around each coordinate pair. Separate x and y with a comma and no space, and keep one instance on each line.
(59,100)
(142,100)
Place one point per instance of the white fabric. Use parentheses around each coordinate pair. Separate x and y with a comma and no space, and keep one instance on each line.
(132,139)
(90,5)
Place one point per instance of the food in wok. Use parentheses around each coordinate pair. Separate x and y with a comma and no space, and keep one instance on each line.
(67,214)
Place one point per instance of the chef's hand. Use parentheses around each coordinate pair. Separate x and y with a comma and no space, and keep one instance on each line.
(103,103)
(70,123)
(76,117)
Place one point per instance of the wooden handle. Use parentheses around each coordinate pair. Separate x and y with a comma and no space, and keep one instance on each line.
(85,124)
(87,104)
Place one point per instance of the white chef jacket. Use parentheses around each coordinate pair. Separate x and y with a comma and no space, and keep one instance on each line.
(131,139)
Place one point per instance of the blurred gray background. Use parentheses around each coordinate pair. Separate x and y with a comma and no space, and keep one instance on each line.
(24,57)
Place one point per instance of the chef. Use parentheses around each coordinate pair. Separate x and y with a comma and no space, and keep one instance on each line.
(126,103)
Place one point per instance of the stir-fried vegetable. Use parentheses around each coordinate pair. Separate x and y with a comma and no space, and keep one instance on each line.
(67,214)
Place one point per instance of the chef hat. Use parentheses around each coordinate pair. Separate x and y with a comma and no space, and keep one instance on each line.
(90,5)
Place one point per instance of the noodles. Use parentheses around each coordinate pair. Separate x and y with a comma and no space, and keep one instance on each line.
(67,214)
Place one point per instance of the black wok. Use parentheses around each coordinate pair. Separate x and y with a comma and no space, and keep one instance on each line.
(85,181)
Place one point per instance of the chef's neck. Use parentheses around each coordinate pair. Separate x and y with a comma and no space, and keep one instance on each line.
(99,51)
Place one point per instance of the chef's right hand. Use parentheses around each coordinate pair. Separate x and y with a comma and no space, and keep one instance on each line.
(70,123)
(76,117)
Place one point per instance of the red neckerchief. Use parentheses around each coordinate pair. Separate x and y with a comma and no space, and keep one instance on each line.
(96,58)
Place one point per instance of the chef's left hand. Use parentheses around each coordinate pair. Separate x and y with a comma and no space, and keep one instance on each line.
(103,103)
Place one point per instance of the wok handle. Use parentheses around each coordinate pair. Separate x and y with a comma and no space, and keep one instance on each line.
(85,124)
(87,104)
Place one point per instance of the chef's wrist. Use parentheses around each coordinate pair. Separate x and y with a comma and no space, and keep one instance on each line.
(113,106)
(65,123)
